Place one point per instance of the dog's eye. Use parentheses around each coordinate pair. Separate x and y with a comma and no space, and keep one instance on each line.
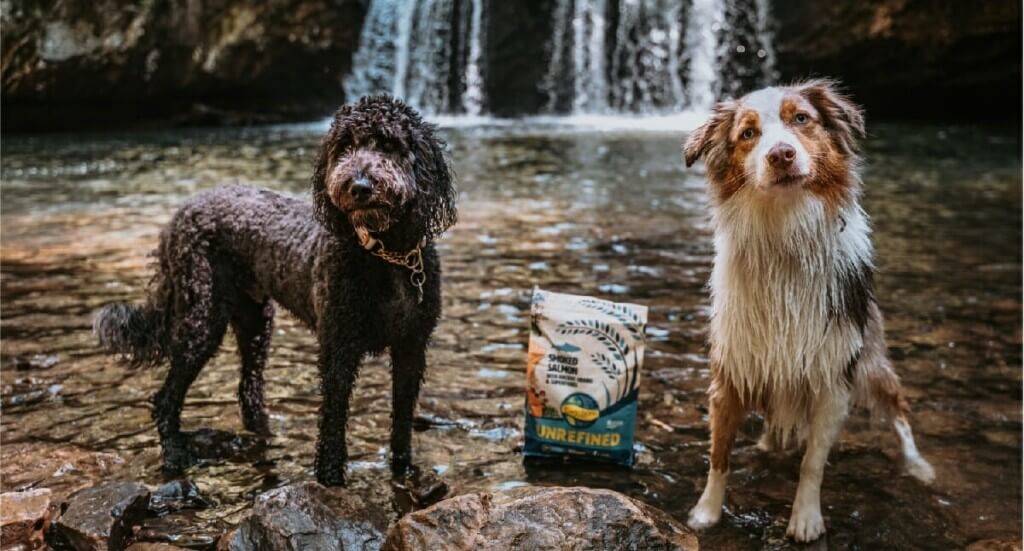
(748,134)
(801,118)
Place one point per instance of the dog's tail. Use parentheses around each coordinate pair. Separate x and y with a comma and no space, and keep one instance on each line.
(137,333)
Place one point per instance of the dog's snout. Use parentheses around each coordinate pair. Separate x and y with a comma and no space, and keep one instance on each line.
(361,188)
(781,155)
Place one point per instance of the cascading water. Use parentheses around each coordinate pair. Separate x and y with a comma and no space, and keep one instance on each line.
(427,52)
(605,56)
(654,56)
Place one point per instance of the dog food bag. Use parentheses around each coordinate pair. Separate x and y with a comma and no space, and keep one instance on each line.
(582,376)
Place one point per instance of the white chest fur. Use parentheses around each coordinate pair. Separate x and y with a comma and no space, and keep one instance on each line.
(779,262)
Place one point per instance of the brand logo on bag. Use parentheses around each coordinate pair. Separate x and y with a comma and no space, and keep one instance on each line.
(580,410)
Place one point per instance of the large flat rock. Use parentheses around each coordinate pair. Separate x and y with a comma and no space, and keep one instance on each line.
(540,518)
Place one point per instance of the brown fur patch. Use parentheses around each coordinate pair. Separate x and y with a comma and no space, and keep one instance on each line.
(727,413)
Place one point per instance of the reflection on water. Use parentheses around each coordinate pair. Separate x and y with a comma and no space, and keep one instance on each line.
(609,214)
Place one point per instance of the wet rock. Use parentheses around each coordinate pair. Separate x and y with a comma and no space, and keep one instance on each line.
(149,546)
(175,496)
(63,469)
(35,361)
(28,390)
(193,61)
(210,446)
(516,54)
(226,540)
(419,490)
(310,516)
(184,529)
(995,545)
(24,517)
(540,518)
(103,516)
(906,58)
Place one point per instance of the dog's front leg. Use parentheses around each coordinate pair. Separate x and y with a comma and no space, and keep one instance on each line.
(339,364)
(408,363)
(726,413)
(805,522)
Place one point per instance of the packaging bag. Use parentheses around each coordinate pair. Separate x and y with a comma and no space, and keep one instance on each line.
(583,372)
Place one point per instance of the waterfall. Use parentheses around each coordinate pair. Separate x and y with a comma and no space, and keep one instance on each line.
(604,56)
(428,52)
(655,56)
(702,32)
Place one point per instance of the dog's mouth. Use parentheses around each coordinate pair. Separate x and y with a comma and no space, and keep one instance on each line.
(367,208)
(374,217)
(789,180)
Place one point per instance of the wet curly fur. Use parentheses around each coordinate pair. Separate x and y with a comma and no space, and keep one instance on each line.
(230,255)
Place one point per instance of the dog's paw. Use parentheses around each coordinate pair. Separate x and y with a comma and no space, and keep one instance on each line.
(702,516)
(806,524)
(920,469)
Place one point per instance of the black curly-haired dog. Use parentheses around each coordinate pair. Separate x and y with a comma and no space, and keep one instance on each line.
(358,266)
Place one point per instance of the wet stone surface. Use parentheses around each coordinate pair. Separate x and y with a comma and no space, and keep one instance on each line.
(104,516)
(540,519)
(612,214)
(24,518)
(309,516)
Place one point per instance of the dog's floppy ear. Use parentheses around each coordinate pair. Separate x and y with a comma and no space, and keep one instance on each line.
(334,142)
(840,116)
(715,131)
(435,179)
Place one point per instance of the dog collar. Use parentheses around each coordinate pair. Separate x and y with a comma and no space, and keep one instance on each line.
(412,259)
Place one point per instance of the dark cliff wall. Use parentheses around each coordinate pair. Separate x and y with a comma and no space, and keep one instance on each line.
(909,58)
(71,63)
(84,64)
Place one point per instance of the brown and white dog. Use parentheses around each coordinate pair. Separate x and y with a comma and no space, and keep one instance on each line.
(795,330)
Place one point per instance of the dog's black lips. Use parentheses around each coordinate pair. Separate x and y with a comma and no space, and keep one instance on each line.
(789,180)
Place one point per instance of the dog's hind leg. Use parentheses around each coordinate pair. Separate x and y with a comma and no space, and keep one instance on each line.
(877,387)
(408,363)
(253,325)
(198,327)
(726,414)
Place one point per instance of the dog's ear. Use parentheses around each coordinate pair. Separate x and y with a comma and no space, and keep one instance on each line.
(435,179)
(338,138)
(714,132)
(843,118)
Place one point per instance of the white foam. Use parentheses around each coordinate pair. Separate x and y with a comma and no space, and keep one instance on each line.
(684,121)
(669,123)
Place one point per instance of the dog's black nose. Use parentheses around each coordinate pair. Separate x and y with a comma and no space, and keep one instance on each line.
(781,155)
(361,188)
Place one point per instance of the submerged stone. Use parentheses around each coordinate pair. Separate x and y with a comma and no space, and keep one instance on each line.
(540,518)
(24,517)
(310,516)
(103,516)
(175,496)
